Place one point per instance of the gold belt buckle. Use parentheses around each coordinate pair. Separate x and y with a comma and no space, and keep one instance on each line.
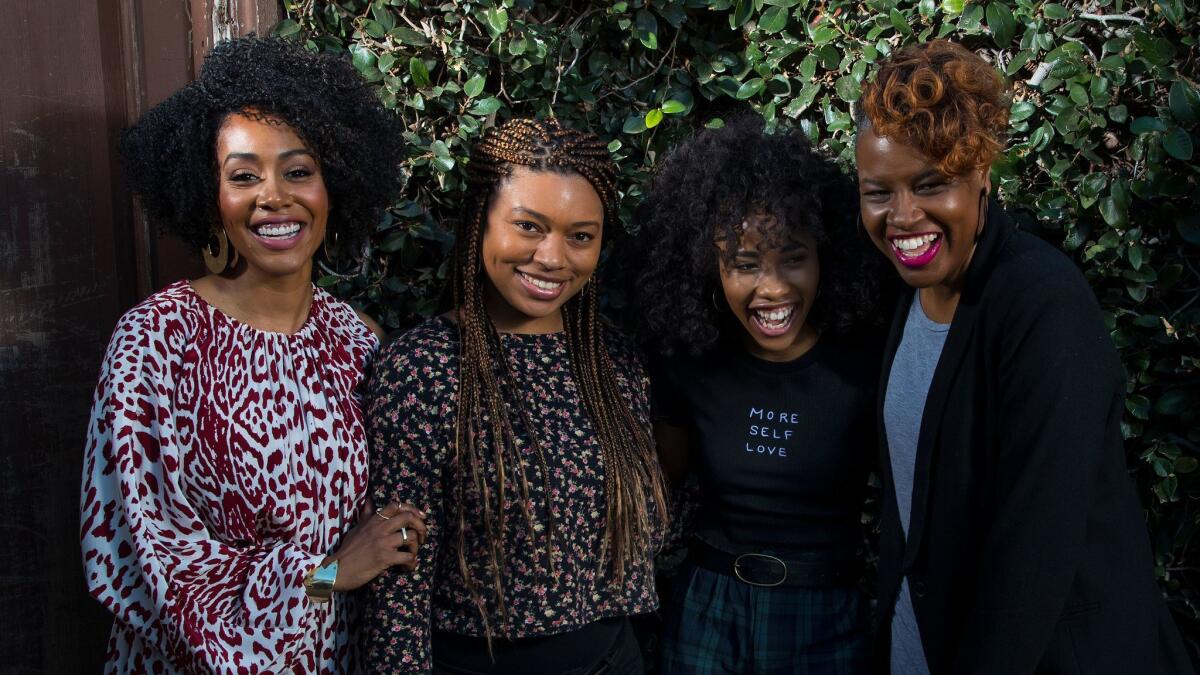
(737,572)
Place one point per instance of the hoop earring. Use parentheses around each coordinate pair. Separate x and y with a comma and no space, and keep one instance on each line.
(325,245)
(715,304)
(219,255)
(983,209)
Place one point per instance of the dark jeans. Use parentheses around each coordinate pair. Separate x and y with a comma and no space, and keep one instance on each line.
(624,657)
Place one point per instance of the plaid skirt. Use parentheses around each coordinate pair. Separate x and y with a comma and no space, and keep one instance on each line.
(716,624)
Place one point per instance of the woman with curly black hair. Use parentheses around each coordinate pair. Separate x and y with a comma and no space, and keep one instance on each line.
(756,289)
(226,467)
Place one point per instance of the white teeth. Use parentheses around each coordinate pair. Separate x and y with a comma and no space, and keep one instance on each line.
(544,285)
(278,230)
(775,316)
(913,243)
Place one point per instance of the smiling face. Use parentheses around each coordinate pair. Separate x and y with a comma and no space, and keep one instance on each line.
(541,244)
(771,290)
(271,196)
(925,222)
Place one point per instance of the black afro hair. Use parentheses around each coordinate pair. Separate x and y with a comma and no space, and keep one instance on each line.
(701,194)
(170,154)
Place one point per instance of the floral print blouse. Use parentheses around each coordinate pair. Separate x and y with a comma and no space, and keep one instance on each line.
(411,408)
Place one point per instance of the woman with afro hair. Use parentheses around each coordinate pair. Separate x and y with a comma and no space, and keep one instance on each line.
(756,293)
(1012,540)
(225,473)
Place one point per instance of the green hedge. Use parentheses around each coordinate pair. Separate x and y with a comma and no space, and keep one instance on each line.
(1103,150)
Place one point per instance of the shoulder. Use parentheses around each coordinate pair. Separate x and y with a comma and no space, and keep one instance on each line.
(164,318)
(621,348)
(339,317)
(432,344)
(1029,273)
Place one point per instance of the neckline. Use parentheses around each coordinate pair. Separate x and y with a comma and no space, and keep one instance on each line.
(557,335)
(313,310)
(772,367)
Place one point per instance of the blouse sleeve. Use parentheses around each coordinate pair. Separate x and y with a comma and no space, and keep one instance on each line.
(407,455)
(203,604)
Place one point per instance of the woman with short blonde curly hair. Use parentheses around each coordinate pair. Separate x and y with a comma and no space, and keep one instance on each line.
(1011,536)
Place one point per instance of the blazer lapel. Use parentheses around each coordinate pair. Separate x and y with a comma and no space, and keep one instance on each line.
(958,340)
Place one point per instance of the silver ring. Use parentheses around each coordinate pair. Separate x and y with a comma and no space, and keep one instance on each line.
(404,533)
(379,512)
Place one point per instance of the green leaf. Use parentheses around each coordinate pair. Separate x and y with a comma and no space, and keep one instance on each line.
(653,117)
(750,88)
(1186,465)
(1173,402)
(1021,111)
(1147,124)
(1053,10)
(374,29)
(327,281)
(773,20)
(485,107)
(1178,143)
(614,145)
(1189,228)
(672,107)
(742,12)
(1002,23)
(1118,114)
(409,36)
(1112,213)
(497,20)
(1138,406)
(646,29)
(1156,50)
(1181,106)
(386,61)
(287,28)
(953,7)
(420,74)
(474,86)
(899,22)
(634,124)
(847,88)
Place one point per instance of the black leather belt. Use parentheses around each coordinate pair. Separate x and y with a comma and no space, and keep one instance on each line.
(762,569)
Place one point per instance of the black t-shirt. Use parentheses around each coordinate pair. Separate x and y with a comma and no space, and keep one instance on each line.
(781,450)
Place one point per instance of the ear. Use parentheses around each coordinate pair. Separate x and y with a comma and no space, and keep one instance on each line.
(985,179)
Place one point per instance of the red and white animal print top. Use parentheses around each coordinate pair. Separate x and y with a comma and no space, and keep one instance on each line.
(223,462)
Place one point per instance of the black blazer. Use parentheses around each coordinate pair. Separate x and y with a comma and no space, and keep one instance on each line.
(1027,550)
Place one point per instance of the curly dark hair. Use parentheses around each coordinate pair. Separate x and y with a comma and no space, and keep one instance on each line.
(942,99)
(701,194)
(170,153)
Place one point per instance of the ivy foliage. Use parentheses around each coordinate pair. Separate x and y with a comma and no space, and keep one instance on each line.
(1103,151)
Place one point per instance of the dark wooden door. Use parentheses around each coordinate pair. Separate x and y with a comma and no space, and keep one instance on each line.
(73,257)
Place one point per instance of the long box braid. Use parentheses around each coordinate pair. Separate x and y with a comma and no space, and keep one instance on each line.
(634,487)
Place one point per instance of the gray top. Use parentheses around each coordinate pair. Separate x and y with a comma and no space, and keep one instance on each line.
(903,408)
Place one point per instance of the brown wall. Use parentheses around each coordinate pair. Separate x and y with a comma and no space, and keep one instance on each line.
(73,257)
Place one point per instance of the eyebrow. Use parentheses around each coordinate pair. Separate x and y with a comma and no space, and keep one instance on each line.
(523,210)
(254,158)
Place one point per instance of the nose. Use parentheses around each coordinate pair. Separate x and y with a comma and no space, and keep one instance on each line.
(904,211)
(273,194)
(550,252)
(771,285)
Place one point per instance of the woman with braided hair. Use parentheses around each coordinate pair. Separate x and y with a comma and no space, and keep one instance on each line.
(520,424)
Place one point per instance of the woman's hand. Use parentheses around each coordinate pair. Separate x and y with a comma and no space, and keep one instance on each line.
(381,539)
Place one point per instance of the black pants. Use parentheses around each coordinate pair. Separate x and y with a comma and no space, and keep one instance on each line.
(624,657)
